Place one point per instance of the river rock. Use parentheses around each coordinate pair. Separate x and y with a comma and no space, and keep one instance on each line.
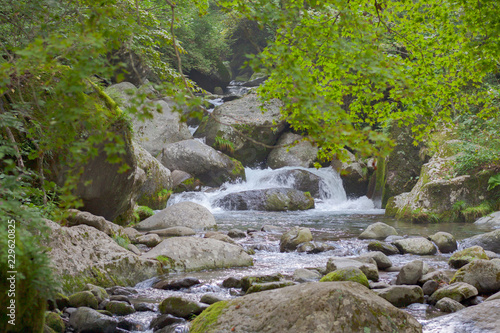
(494,297)
(244,115)
(490,221)
(314,247)
(231,282)
(448,305)
(442,276)
(382,261)
(353,173)
(482,274)
(430,287)
(77,217)
(335,306)
(418,245)
(131,233)
(211,298)
(119,308)
(411,273)
(445,242)
(89,320)
(458,291)
(195,254)
(221,237)
(482,318)
(466,256)
(378,230)
(158,180)
(299,179)
(306,275)
(210,166)
(369,270)
(347,274)
(293,237)
(185,214)
(165,320)
(402,296)
(259,287)
(187,282)
(83,254)
(273,199)
(489,241)
(302,154)
(236,233)
(248,281)
(83,298)
(181,307)
(385,248)
(100,293)
(55,322)
(173,232)
(150,240)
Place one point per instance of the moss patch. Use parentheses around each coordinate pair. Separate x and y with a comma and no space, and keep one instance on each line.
(203,323)
(347,274)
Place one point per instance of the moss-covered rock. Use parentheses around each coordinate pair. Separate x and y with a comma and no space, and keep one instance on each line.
(482,274)
(119,308)
(458,291)
(247,281)
(383,247)
(347,274)
(55,322)
(445,242)
(180,307)
(99,292)
(293,237)
(462,258)
(258,287)
(83,298)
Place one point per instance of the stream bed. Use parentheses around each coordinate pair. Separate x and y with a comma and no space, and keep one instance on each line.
(336,220)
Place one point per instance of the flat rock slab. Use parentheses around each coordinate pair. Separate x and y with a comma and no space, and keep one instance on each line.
(309,307)
(196,254)
(418,245)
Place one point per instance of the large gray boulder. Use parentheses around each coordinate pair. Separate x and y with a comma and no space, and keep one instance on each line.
(445,242)
(273,199)
(298,179)
(411,273)
(293,237)
(210,166)
(380,258)
(244,115)
(89,320)
(489,241)
(458,291)
(122,93)
(82,254)
(489,221)
(482,274)
(196,254)
(482,318)
(302,154)
(378,230)
(354,174)
(401,296)
(466,256)
(418,245)
(182,214)
(158,180)
(309,307)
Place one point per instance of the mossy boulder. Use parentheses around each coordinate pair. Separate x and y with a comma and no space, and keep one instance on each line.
(445,242)
(385,248)
(336,263)
(274,199)
(489,241)
(83,298)
(458,291)
(258,287)
(181,307)
(482,274)
(466,256)
(245,116)
(85,319)
(247,281)
(55,322)
(293,237)
(448,305)
(119,308)
(99,292)
(347,274)
(338,306)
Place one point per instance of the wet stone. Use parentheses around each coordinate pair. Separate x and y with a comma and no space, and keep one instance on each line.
(165,320)
(231,282)
(383,247)
(177,284)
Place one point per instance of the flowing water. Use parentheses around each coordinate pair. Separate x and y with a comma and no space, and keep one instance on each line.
(335,220)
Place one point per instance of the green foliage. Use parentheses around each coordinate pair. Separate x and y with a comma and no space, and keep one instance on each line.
(224,145)
(122,240)
(143,212)
(493,182)
(462,211)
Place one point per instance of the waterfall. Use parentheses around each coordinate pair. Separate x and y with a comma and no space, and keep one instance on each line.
(332,196)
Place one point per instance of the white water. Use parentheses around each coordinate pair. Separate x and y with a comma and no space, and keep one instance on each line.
(332,194)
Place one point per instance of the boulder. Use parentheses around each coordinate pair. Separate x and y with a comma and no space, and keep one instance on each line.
(489,241)
(184,214)
(370,270)
(378,230)
(83,298)
(306,275)
(187,282)
(448,305)
(150,240)
(380,258)
(82,254)
(418,245)
(258,287)
(458,291)
(489,221)
(314,247)
(100,293)
(411,273)
(328,306)
(354,176)
(293,237)
(442,276)
(482,274)
(444,241)
(89,320)
(77,217)
(482,318)
(347,274)
(181,307)
(248,281)
(154,192)
(273,199)
(164,320)
(196,254)
(122,93)
(119,308)
(244,115)
(221,237)
(298,179)
(430,287)
(231,282)
(236,233)
(211,298)
(402,296)
(466,256)
(55,322)
(302,154)
(494,297)
(174,232)
(210,166)
(385,248)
